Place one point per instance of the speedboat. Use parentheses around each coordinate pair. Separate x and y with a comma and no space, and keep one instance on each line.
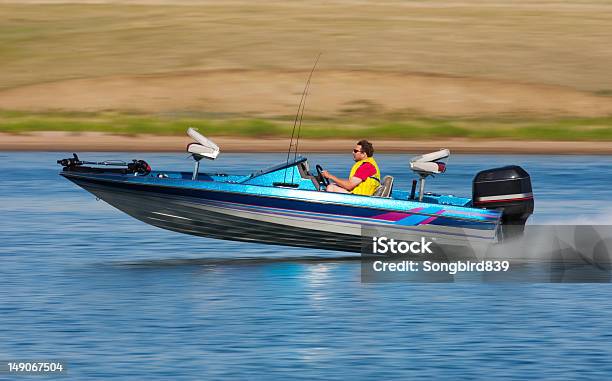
(287,204)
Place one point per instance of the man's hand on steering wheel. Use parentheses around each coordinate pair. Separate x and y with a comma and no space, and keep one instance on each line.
(322,176)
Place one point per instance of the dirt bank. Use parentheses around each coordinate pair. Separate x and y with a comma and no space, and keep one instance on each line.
(66,142)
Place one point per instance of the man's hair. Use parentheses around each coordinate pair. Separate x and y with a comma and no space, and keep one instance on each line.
(366,147)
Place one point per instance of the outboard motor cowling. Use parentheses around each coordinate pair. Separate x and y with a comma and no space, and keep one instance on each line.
(508,189)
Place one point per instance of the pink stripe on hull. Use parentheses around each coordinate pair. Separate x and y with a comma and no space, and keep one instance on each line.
(396,216)
(392,216)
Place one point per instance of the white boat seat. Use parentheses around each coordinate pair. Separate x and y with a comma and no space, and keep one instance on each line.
(385,188)
(198,149)
(204,148)
(429,164)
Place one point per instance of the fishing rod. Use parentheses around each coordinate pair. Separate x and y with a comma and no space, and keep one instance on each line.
(297,140)
(300,115)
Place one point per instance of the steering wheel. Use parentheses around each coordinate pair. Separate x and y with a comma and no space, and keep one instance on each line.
(323,181)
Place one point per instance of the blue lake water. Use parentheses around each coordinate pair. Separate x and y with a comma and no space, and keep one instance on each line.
(115,298)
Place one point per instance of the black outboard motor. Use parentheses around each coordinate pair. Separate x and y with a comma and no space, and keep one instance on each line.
(508,189)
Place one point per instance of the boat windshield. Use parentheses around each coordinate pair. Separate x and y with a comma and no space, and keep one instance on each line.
(277,167)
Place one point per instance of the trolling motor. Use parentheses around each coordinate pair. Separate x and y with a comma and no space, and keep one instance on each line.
(137,167)
(70,162)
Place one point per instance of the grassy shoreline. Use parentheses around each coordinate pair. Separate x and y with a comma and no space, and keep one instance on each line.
(373,127)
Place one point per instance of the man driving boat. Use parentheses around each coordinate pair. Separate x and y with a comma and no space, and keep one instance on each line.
(364,177)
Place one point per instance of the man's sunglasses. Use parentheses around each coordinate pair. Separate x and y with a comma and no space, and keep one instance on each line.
(356,150)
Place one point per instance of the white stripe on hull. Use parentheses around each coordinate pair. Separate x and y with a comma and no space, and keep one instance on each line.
(354,229)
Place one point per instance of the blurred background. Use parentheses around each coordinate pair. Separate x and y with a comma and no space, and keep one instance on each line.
(520,70)
(115,298)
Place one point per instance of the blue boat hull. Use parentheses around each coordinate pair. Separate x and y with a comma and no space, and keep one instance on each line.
(290,217)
